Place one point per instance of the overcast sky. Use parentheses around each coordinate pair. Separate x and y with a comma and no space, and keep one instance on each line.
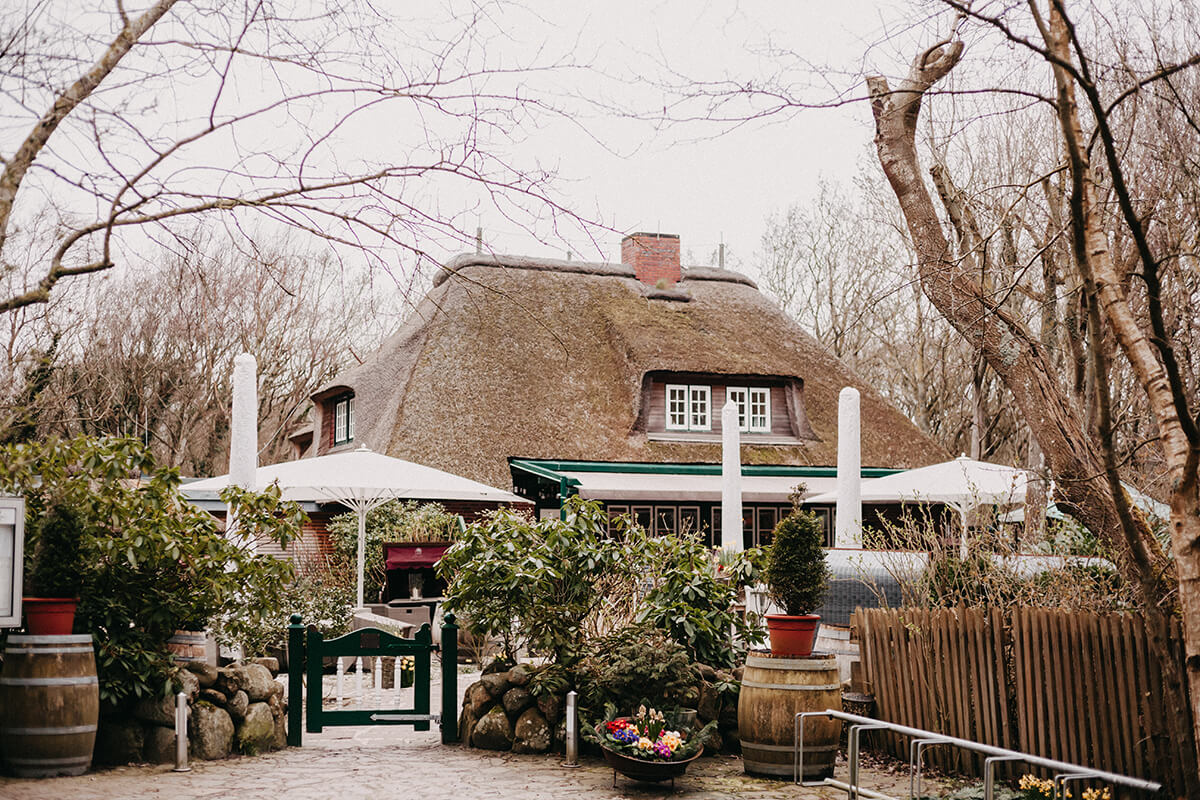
(618,66)
(694,180)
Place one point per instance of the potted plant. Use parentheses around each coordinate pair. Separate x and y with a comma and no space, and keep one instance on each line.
(54,574)
(642,748)
(797,578)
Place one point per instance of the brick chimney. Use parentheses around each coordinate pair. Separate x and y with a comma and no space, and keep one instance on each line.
(653,256)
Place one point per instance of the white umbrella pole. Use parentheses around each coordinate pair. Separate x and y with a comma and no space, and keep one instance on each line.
(962,539)
(731,479)
(362,550)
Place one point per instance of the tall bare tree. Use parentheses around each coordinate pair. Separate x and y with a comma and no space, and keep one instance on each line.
(841,265)
(149,354)
(336,119)
(1079,446)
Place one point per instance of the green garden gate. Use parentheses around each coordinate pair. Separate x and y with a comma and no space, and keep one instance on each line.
(307,651)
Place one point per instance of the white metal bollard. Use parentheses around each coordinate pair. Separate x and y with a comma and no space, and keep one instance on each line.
(181,739)
(572,730)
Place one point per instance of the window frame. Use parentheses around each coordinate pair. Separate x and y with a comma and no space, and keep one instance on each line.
(746,397)
(704,390)
(671,388)
(743,405)
(763,392)
(343,420)
(697,405)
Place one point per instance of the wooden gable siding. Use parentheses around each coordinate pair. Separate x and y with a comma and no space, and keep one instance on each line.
(787,416)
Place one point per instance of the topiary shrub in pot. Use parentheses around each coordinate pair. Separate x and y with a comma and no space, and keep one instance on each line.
(54,574)
(797,578)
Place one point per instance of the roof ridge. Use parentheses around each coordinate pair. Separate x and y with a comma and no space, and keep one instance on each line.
(604,268)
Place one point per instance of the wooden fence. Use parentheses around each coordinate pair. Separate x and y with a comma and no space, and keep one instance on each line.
(1078,687)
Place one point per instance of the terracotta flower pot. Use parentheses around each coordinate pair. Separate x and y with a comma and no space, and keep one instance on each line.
(49,616)
(792,635)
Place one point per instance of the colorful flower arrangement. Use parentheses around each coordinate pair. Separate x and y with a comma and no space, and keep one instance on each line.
(645,736)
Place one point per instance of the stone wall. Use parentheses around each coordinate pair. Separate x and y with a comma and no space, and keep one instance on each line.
(500,713)
(235,709)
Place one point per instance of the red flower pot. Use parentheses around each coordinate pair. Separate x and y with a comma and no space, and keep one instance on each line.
(792,636)
(49,616)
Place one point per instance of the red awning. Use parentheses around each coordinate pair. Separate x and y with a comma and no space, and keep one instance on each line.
(411,556)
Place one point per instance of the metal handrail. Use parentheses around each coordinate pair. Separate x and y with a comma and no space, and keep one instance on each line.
(1066,769)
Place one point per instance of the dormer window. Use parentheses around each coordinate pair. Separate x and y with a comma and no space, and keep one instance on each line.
(343,420)
(688,407)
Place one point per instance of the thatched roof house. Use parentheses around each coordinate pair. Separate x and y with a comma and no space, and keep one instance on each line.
(515,366)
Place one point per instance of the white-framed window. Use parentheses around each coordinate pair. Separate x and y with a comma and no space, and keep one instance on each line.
(343,420)
(701,399)
(760,410)
(740,395)
(677,407)
(689,407)
(754,407)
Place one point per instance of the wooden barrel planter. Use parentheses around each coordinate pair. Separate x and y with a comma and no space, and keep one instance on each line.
(50,701)
(187,646)
(774,690)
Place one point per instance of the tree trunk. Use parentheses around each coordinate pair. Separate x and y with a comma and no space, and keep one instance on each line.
(1019,359)
(1107,290)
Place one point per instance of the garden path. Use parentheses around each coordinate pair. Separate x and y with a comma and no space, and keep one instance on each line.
(386,762)
(372,763)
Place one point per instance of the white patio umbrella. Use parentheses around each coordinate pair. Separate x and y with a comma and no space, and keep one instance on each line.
(361,480)
(963,484)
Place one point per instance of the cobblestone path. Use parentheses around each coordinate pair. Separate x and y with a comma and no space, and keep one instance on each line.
(386,763)
(375,763)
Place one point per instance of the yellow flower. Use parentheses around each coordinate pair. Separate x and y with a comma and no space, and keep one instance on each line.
(644,743)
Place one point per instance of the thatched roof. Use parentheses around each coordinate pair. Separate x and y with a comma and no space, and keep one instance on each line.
(536,358)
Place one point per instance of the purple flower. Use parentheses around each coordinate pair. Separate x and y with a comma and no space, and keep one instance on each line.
(625,735)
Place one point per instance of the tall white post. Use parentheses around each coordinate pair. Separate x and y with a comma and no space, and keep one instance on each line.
(243,428)
(848,524)
(731,478)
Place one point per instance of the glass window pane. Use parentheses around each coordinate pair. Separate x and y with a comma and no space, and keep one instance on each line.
(339,421)
(677,407)
(699,408)
(760,410)
(689,519)
(766,525)
(664,520)
(738,395)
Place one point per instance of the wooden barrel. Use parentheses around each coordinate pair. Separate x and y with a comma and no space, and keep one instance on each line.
(188,646)
(774,690)
(51,703)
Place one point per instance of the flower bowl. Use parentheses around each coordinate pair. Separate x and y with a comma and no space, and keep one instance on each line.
(639,769)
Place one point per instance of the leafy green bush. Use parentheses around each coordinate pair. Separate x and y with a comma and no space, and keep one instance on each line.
(151,562)
(796,573)
(394,521)
(323,598)
(689,599)
(531,583)
(634,666)
(54,569)
(551,584)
